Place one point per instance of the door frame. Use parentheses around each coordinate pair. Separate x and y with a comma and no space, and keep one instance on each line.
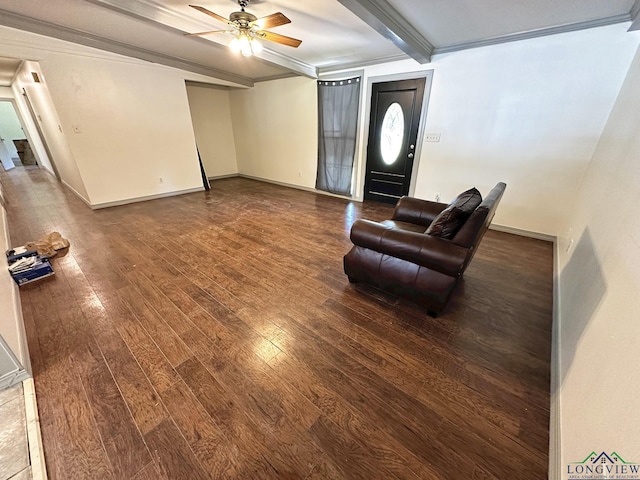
(362,165)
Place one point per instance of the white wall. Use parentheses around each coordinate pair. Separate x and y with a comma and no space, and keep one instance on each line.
(11,325)
(118,124)
(599,302)
(10,128)
(528,113)
(6,94)
(49,122)
(211,116)
(275,127)
(133,126)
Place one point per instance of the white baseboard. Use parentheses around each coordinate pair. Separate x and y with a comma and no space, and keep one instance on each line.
(523,233)
(126,201)
(298,187)
(50,172)
(34,436)
(220,177)
(555,407)
(74,191)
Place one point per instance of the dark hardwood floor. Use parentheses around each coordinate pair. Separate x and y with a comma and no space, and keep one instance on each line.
(214,335)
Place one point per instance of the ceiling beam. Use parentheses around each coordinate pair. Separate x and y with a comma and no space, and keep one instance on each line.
(386,20)
(41,27)
(634,13)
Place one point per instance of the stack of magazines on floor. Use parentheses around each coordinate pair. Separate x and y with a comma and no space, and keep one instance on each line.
(30,262)
(27,266)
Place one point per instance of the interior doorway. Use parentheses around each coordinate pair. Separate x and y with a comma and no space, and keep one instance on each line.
(394,134)
(17,147)
(40,134)
(14,146)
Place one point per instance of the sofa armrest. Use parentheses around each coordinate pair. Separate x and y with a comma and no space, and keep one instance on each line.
(428,251)
(415,210)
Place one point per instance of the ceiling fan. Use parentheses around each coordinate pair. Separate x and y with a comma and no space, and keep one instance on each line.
(248,28)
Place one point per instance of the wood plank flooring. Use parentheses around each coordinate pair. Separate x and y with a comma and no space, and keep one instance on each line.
(214,335)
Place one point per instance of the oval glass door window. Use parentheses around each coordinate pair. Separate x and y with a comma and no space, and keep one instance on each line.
(392,133)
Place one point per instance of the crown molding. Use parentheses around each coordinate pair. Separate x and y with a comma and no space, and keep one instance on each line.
(356,65)
(21,22)
(212,86)
(146,11)
(386,20)
(277,77)
(541,32)
(296,67)
(634,13)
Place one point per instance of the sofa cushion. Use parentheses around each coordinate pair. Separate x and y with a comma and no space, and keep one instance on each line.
(449,221)
(398,225)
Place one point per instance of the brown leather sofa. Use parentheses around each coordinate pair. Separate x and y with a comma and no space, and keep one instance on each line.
(399,255)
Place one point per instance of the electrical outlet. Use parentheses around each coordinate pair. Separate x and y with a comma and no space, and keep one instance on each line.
(437,196)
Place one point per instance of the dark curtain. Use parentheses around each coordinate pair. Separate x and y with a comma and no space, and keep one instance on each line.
(338,102)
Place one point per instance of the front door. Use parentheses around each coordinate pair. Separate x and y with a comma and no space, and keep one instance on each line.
(393,132)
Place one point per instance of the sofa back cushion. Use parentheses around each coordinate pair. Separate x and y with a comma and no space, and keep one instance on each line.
(449,221)
(474,228)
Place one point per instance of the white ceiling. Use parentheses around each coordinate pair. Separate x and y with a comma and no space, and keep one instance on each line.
(334,33)
(453,22)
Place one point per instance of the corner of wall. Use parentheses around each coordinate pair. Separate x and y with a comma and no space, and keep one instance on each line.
(555,407)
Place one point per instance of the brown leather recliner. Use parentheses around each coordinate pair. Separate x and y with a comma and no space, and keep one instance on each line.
(397,255)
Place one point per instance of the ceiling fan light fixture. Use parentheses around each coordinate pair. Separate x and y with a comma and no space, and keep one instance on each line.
(245,44)
(234,45)
(256,46)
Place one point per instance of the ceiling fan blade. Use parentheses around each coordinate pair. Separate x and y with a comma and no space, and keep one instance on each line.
(270,21)
(211,14)
(211,32)
(281,39)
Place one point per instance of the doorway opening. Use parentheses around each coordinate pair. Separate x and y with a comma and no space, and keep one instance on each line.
(210,108)
(40,134)
(15,150)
